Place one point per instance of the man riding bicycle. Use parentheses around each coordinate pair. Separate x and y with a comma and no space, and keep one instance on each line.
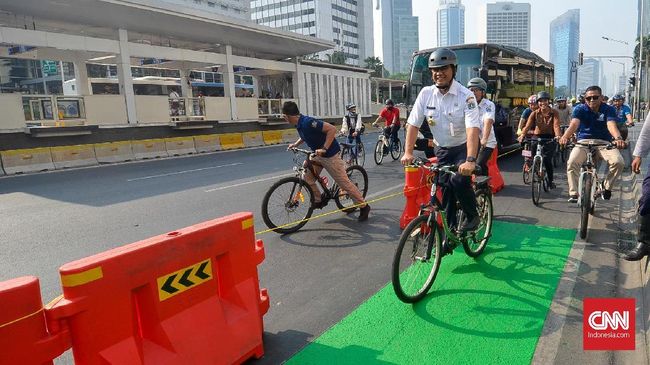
(352,126)
(563,110)
(486,110)
(594,121)
(623,115)
(451,112)
(544,123)
(390,117)
(321,138)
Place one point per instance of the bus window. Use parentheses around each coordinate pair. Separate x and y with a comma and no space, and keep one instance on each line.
(469,64)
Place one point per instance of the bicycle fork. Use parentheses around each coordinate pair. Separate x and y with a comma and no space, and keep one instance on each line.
(593,187)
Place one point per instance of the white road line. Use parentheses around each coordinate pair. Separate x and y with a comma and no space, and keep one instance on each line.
(185,171)
(249,182)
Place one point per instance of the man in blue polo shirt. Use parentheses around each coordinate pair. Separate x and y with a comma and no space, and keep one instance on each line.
(321,138)
(623,114)
(593,120)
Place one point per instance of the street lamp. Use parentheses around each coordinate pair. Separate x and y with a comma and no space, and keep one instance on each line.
(614,40)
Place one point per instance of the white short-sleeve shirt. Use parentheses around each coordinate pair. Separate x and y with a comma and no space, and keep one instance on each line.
(486,110)
(448,114)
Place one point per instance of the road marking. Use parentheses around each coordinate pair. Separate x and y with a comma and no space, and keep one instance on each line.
(249,182)
(185,171)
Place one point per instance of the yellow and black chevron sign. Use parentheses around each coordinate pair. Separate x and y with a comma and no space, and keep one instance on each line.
(184,279)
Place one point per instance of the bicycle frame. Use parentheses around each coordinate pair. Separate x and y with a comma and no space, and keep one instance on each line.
(588,167)
(301,168)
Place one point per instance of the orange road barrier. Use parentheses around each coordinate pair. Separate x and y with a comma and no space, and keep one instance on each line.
(24,335)
(496,180)
(417,190)
(187,297)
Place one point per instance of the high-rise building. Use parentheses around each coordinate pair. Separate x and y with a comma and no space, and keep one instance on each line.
(234,8)
(451,23)
(399,34)
(588,74)
(565,44)
(622,83)
(346,22)
(508,23)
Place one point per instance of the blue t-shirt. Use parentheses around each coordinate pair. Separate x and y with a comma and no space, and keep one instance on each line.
(526,114)
(594,125)
(311,131)
(621,114)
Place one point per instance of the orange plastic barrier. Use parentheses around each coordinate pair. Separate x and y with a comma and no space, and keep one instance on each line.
(24,336)
(187,297)
(496,180)
(417,190)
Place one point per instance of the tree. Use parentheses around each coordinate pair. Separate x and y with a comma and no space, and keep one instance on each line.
(375,64)
(400,76)
(562,91)
(337,57)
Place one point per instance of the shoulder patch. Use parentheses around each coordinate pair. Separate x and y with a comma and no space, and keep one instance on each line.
(314,124)
(488,109)
(471,102)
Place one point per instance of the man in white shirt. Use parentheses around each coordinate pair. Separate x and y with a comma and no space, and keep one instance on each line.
(452,114)
(486,111)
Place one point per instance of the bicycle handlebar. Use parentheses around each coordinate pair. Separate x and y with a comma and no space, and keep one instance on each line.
(591,144)
(449,169)
(306,152)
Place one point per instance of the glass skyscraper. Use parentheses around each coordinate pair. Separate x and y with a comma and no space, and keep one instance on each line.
(451,23)
(565,44)
(399,34)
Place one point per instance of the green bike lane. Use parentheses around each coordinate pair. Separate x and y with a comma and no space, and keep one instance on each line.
(485,310)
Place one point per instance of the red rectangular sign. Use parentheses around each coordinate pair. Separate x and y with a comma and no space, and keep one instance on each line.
(608,324)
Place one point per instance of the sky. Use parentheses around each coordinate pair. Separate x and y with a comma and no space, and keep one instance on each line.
(616,19)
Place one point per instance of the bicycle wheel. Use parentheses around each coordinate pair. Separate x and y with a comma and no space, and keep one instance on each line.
(536,183)
(545,185)
(417,259)
(396,149)
(361,154)
(379,152)
(526,172)
(585,205)
(346,156)
(359,177)
(556,158)
(475,242)
(287,205)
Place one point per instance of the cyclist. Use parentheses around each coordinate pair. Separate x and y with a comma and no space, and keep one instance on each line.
(563,110)
(451,112)
(390,116)
(352,126)
(532,106)
(486,110)
(623,115)
(593,121)
(642,247)
(545,123)
(321,138)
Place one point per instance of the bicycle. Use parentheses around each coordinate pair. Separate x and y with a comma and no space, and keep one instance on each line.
(589,185)
(528,162)
(289,203)
(353,153)
(384,144)
(539,178)
(419,252)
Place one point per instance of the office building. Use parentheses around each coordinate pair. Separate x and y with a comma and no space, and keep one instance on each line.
(239,9)
(565,45)
(508,23)
(399,34)
(588,74)
(451,23)
(346,22)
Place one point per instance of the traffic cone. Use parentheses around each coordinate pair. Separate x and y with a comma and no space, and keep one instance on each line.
(417,191)
(496,180)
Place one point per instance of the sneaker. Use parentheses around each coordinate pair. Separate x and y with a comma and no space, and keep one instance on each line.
(551,185)
(470,224)
(573,199)
(447,249)
(607,194)
(363,213)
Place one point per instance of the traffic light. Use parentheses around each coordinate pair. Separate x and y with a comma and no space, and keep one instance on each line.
(632,81)
(580,58)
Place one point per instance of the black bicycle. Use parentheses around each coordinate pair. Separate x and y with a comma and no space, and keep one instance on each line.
(289,203)
(419,252)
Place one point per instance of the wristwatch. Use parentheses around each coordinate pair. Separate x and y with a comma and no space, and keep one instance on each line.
(619,138)
(470,159)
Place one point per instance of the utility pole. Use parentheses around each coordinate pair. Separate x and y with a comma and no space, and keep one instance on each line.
(637,91)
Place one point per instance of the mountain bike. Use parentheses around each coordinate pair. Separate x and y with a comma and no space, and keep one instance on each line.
(538,170)
(420,249)
(385,145)
(289,203)
(353,153)
(528,161)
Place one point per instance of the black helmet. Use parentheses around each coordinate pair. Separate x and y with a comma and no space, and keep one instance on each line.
(618,97)
(442,57)
(389,102)
(543,95)
(350,106)
(478,83)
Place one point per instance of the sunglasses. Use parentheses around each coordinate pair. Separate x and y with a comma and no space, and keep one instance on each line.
(592,98)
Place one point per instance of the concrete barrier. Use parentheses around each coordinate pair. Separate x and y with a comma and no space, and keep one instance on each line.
(2,170)
(149,148)
(289,135)
(178,146)
(207,143)
(272,137)
(231,141)
(27,160)
(114,152)
(73,156)
(253,139)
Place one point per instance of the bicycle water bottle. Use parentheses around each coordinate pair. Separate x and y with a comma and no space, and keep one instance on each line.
(324,180)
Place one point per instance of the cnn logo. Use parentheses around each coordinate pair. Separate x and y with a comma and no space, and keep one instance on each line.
(608,324)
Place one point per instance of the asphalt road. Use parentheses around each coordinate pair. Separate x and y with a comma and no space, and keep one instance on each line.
(315,276)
